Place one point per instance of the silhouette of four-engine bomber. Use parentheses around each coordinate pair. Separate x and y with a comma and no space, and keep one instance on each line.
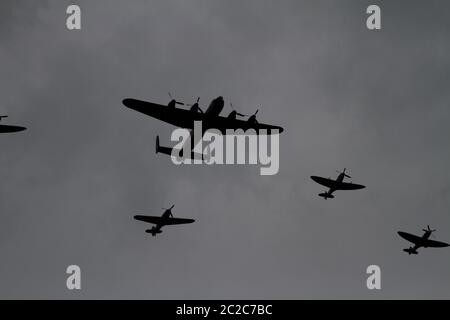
(166,219)
(422,241)
(211,118)
(9,128)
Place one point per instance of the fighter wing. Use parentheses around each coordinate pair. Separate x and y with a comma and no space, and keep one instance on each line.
(151,219)
(411,238)
(348,186)
(172,221)
(325,182)
(224,123)
(178,117)
(163,221)
(9,129)
(435,244)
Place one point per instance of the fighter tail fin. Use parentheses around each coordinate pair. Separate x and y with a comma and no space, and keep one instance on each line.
(326,195)
(411,250)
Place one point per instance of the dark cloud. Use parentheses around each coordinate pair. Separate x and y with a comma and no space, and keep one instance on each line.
(374,102)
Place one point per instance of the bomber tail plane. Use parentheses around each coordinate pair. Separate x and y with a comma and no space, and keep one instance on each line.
(167,150)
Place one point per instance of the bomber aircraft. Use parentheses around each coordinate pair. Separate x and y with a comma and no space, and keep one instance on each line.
(185,118)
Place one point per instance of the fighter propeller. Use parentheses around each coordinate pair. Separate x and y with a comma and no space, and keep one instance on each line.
(169,208)
(429,230)
(343,172)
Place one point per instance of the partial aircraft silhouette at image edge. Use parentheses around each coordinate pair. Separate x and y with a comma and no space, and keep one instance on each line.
(8,128)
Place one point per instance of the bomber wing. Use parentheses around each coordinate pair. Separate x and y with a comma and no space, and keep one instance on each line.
(175,116)
(185,118)
(223,123)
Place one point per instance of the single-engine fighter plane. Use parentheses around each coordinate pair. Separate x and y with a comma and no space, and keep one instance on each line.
(185,118)
(9,129)
(335,185)
(166,219)
(423,241)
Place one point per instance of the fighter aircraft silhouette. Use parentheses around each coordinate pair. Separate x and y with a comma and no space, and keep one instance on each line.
(423,241)
(184,118)
(337,184)
(165,220)
(9,129)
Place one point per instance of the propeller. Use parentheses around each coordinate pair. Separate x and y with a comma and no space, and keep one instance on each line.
(428,229)
(253,117)
(193,104)
(239,114)
(343,172)
(169,208)
(196,105)
(177,102)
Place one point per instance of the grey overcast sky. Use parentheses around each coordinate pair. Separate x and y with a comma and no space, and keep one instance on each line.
(375,102)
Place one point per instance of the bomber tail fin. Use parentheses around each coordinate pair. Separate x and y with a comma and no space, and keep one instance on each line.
(162,149)
(157,144)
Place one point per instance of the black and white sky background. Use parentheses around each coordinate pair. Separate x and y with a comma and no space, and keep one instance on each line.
(375,102)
